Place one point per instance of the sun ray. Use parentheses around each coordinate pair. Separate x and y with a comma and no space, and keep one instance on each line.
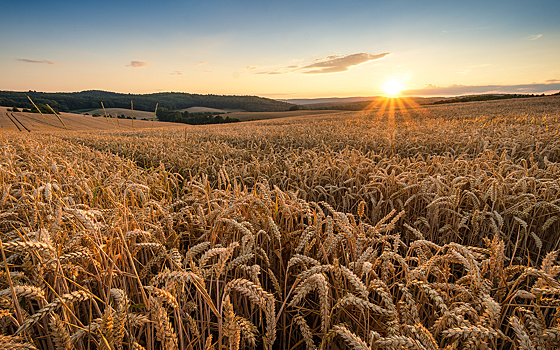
(394,108)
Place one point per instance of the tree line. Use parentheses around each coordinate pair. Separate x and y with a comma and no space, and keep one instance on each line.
(490,97)
(199,118)
(91,99)
(42,108)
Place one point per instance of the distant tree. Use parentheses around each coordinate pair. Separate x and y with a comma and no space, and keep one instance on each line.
(7,102)
(488,97)
(44,109)
(15,109)
(294,108)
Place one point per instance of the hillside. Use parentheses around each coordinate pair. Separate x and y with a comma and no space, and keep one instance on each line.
(485,97)
(123,111)
(205,109)
(19,121)
(361,103)
(358,103)
(329,100)
(250,116)
(91,99)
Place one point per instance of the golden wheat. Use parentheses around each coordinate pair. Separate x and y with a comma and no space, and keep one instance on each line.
(441,232)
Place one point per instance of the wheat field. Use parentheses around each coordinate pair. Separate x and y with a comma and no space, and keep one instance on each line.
(425,228)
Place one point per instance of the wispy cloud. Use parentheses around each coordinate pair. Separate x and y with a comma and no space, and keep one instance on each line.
(177,72)
(26,60)
(274,72)
(200,63)
(334,64)
(138,64)
(552,85)
(329,64)
(536,36)
(326,58)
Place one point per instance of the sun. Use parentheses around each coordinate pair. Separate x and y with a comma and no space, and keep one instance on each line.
(392,88)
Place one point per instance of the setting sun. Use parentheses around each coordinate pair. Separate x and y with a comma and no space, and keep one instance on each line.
(392,88)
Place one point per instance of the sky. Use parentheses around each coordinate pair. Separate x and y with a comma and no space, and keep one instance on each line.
(281,49)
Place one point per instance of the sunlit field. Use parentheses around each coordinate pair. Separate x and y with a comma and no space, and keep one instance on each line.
(425,227)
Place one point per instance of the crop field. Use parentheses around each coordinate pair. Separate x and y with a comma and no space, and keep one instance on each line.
(251,116)
(423,228)
(140,115)
(33,122)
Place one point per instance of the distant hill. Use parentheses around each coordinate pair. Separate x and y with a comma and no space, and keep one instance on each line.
(91,99)
(34,122)
(328,100)
(484,97)
(358,103)
(205,109)
(122,111)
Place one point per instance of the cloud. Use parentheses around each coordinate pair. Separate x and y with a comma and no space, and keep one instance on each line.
(200,63)
(327,58)
(177,72)
(535,37)
(552,85)
(334,64)
(26,60)
(250,67)
(328,64)
(138,64)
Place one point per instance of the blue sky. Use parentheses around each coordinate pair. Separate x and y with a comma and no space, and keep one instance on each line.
(281,49)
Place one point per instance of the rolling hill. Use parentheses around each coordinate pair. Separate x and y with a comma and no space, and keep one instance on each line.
(145,115)
(30,122)
(73,101)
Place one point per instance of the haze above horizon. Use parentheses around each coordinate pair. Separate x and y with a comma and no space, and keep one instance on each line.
(288,50)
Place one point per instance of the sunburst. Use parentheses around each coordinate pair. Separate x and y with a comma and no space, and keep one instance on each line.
(392,88)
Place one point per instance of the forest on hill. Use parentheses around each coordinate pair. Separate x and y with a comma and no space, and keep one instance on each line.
(72,101)
(485,97)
